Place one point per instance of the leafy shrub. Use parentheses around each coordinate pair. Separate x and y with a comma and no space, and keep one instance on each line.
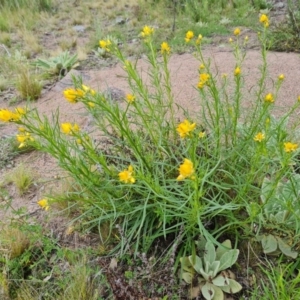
(152,175)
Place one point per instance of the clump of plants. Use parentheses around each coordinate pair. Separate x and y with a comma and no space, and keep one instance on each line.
(209,275)
(151,174)
(59,65)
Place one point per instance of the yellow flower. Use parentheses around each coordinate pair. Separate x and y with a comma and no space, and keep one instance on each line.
(130,98)
(185,128)
(264,20)
(43,203)
(202,134)
(186,170)
(259,137)
(269,98)
(203,80)
(87,89)
(105,44)
(9,116)
(127,175)
(188,36)
(147,31)
(199,39)
(237,31)
(246,38)
(73,95)
(290,147)
(20,111)
(23,138)
(68,128)
(230,40)
(91,104)
(201,67)
(165,48)
(281,77)
(204,77)
(237,71)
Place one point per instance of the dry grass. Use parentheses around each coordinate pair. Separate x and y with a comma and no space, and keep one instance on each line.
(13,242)
(28,85)
(22,177)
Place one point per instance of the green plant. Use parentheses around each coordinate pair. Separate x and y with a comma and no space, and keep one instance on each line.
(279,281)
(285,35)
(22,177)
(33,4)
(28,85)
(209,274)
(8,150)
(59,65)
(280,214)
(149,173)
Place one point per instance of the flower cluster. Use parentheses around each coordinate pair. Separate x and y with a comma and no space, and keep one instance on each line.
(237,71)
(185,128)
(203,80)
(105,44)
(127,175)
(259,137)
(130,98)
(69,129)
(189,36)
(264,20)
(23,138)
(186,170)
(10,116)
(269,98)
(43,203)
(237,31)
(147,31)
(290,147)
(165,48)
(73,95)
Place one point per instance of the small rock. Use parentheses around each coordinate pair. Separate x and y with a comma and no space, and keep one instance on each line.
(278,5)
(120,20)
(79,28)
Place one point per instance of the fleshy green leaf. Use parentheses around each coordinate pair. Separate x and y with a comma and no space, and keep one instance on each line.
(186,264)
(187,277)
(220,280)
(210,252)
(214,267)
(225,246)
(228,259)
(269,243)
(232,288)
(208,291)
(286,249)
(196,263)
(219,295)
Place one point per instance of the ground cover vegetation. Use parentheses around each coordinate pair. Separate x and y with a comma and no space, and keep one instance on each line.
(184,207)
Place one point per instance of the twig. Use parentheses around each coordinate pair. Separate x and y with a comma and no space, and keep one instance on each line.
(3,46)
